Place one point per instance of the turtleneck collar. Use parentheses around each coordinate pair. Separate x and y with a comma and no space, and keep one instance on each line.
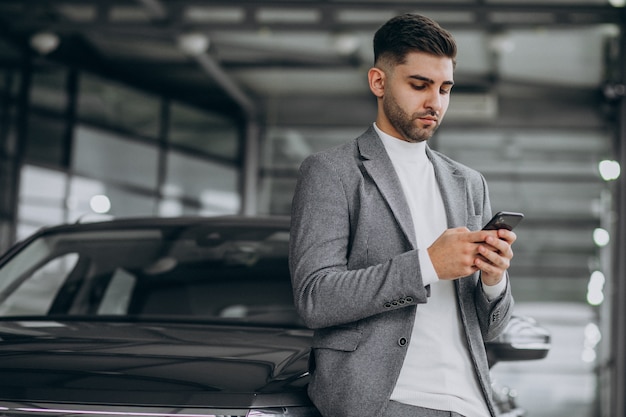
(401,149)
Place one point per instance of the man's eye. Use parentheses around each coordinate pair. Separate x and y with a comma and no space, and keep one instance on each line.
(419,87)
(444,91)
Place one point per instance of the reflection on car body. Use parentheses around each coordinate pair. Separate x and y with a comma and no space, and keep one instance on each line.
(156,317)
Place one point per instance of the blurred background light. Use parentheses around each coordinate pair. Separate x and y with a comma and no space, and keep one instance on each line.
(100,204)
(45,42)
(592,338)
(601,237)
(193,44)
(595,288)
(609,170)
(346,44)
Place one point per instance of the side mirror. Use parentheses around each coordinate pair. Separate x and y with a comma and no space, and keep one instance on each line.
(523,339)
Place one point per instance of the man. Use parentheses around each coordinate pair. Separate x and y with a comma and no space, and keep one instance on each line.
(388,260)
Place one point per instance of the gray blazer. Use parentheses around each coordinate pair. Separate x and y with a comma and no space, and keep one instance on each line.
(356,277)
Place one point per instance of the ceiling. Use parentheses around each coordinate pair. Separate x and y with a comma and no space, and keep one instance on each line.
(533,106)
(222,51)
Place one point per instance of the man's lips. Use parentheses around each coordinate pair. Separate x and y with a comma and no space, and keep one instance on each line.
(428,120)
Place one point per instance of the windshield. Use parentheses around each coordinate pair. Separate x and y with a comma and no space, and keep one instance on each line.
(198,272)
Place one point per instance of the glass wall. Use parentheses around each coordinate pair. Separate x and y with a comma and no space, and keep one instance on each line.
(201,131)
(42,198)
(93,146)
(10,80)
(116,106)
(198,187)
(114,158)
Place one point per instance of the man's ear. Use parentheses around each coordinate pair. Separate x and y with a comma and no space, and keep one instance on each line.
(376,79)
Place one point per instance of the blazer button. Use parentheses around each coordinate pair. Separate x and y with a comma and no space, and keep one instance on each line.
(402,341)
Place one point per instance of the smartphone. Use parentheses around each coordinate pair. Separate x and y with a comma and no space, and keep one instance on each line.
(504,220)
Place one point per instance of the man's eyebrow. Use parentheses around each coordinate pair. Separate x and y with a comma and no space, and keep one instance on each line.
(429,80)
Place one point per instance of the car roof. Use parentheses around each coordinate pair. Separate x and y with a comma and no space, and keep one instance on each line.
(109,223)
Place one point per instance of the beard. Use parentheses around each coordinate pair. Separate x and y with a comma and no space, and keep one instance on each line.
(405,124)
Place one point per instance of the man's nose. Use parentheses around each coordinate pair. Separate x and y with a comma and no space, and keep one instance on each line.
(434,101)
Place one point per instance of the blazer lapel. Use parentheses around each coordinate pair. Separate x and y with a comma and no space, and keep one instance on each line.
(453,191)
(380,169)
(452,185)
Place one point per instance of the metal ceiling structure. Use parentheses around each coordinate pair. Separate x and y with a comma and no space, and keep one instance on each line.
(155,43)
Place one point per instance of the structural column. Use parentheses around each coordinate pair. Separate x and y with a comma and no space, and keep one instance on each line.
(618,339)
(13,136)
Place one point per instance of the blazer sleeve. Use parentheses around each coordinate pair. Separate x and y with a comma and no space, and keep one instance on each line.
(326,292)
(493,315)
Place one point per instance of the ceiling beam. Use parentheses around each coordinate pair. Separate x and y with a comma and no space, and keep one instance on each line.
(155,9)
(303,15)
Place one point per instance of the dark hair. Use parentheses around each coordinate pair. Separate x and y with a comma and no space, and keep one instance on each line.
(412,33)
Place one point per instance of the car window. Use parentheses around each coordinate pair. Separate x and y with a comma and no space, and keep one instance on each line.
(197,272)
(118,293)
(27,259)
(34,294)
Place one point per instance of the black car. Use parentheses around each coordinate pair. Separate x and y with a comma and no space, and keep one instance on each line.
(159,317)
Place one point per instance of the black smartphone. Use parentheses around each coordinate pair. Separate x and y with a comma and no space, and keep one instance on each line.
(504,220)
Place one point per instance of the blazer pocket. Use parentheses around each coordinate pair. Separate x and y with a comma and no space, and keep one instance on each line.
(342,339)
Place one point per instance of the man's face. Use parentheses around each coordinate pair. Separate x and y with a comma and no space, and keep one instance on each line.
(416,96)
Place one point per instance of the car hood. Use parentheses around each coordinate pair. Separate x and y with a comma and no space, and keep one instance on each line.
(169,364)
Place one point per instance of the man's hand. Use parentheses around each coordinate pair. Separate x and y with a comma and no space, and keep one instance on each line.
(459,252)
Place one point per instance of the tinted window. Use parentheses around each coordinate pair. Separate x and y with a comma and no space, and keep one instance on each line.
(189,273)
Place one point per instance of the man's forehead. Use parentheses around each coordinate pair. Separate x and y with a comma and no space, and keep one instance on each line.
(428,59)
(435,68)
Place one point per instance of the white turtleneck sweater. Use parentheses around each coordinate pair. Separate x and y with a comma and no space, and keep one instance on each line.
(437,372)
